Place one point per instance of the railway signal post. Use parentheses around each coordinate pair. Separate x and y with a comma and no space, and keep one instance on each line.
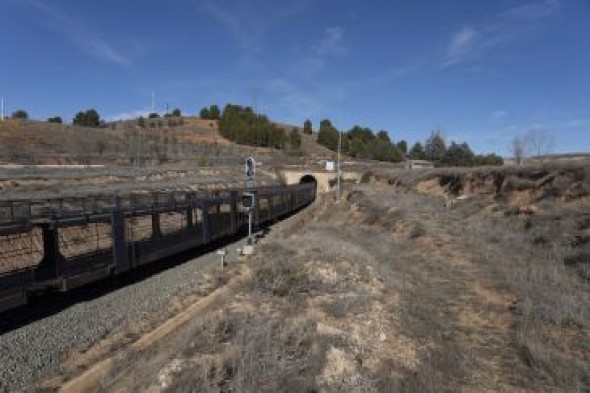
(248,197)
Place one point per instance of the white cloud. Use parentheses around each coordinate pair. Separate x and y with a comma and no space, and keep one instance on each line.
(471,41)
(85,39)
(462,42)
(534,10)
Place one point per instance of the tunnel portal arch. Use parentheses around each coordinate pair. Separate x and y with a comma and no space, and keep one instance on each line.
(309,179)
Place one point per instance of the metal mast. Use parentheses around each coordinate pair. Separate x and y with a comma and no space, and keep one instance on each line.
(338,178)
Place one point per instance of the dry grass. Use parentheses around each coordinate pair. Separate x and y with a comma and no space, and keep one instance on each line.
(400,292)
(247,353)
(124,143)
(535,256)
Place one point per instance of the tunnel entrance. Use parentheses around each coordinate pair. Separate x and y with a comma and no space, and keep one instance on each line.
(307,179)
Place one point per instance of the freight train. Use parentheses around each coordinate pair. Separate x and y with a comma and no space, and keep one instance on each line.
(61,244)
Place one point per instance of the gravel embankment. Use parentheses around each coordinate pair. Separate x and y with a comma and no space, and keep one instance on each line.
(35,350)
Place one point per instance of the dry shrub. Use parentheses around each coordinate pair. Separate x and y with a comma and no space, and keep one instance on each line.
(368,177)
(347,305)
(417,231)
(580,262)
(428,378)
(552,364)
(373,211)
(284,276)
(282,280)
(518,184)
(537,257)
(353,383)
(253,354)
(547,290)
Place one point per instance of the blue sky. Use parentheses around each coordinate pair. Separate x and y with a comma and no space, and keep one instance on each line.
(480,71)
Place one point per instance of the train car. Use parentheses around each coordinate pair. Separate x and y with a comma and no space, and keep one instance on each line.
(61,244)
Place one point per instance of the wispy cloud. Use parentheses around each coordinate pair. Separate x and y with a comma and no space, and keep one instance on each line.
(498,115)
(472,41)
(246,36)
(82,37)
(298,102)
(331,43)
(246,25)
(534,10)
(576,123)
(461,43)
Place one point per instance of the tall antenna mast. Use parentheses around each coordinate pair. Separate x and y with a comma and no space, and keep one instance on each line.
(255,99)
(2,108)
(153,101)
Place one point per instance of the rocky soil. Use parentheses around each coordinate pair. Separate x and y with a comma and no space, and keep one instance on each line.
(41,348)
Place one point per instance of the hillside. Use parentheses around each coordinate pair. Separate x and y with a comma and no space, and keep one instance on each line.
(195,141)
(309,144)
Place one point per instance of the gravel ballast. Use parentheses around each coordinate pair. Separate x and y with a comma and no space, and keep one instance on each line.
(36,350)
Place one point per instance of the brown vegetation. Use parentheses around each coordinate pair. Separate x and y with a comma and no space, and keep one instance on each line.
(124,143)
(398,289)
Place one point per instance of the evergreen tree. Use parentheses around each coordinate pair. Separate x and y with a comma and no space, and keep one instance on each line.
(417,152)
(307,127)
(295,139)
(328,135)
(383,136)
(403,146)
(204,113)
(489,159)
(55,119)
(89,118)
(214,112)
(20,114)
(458,155)
(243,126)
(435,147)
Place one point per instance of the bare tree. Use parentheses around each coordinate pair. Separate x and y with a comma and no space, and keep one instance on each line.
(518,147)
(539,142)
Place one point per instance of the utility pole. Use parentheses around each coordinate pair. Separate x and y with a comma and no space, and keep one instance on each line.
(2,108)
(338,178)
